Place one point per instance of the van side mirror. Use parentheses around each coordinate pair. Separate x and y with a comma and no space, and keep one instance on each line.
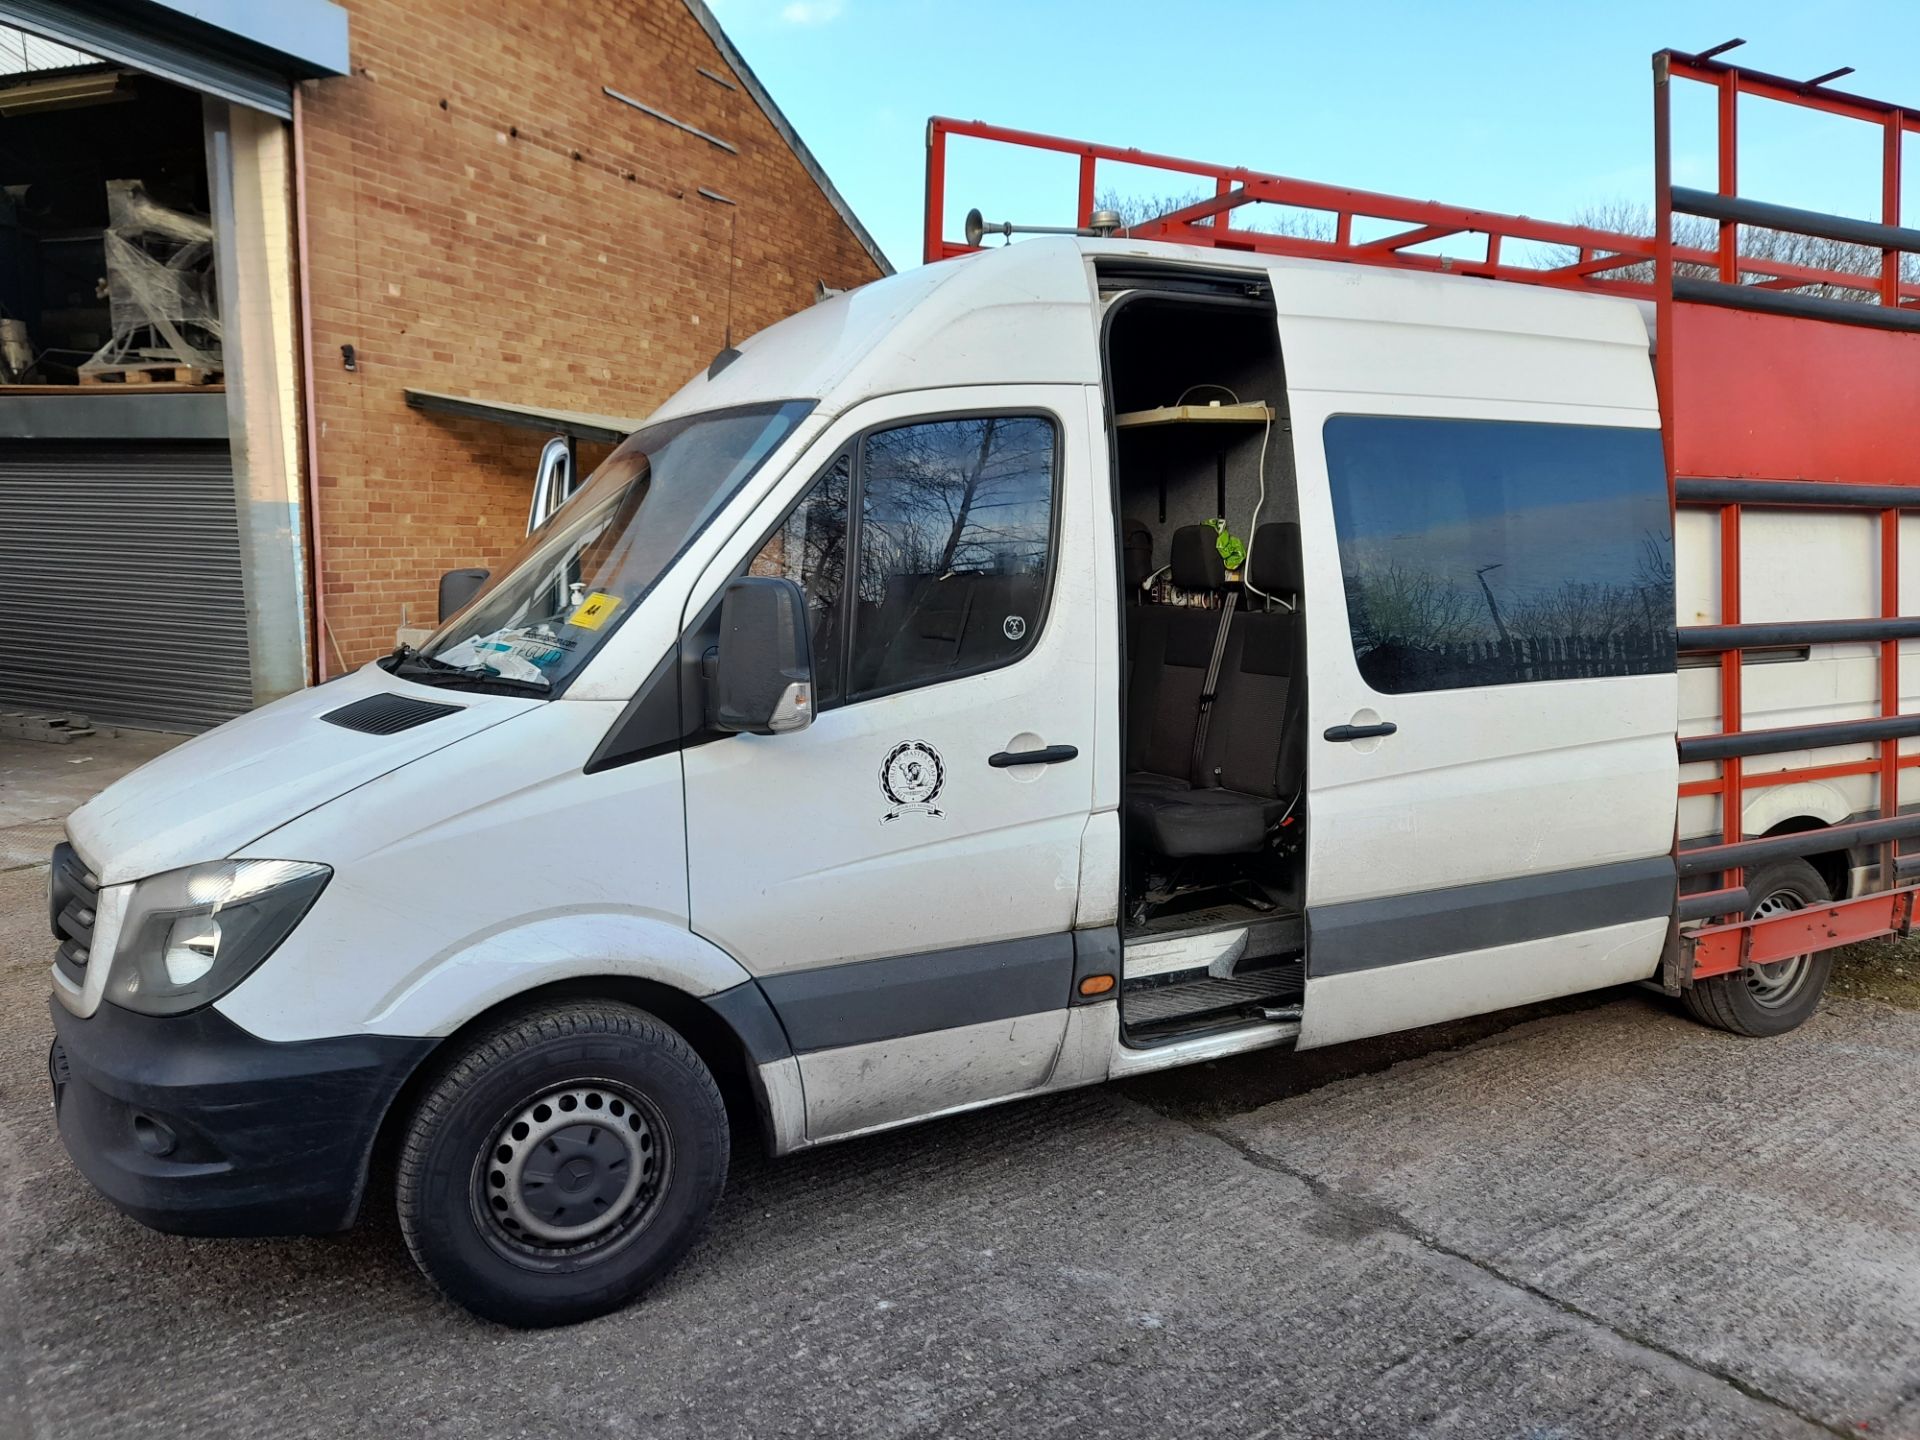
(760,680)
(457,587)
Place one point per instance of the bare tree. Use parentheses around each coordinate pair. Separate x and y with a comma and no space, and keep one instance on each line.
(1259,217)
(1392,604)
(1625,217)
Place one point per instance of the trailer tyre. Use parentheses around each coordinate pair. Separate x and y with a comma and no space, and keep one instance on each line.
(1769,999)
(561,1163)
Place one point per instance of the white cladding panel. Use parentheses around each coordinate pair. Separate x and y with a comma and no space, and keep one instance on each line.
(1794,565)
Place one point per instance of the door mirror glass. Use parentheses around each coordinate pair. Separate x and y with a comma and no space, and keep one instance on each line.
(760,680)
(457,587)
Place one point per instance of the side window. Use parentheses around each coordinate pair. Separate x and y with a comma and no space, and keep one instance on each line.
(1487,552)
(955,540)
(811,549)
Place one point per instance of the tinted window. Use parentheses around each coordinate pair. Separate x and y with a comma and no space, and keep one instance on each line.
(956,522)
(1482,552)
(811,549)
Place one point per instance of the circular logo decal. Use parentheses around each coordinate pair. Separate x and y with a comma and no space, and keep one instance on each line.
(911,777)
(1014,626)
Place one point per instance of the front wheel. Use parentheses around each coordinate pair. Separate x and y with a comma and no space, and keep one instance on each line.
(1775,998)
(562,1163)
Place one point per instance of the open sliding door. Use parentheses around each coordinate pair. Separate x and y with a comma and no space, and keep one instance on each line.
(1490,620)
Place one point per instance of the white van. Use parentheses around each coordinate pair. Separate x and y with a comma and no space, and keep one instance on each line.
(888,729)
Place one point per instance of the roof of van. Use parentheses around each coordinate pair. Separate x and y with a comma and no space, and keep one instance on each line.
(1028,313)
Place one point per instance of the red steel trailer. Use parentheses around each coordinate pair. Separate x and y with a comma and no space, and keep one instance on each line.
(1772,398)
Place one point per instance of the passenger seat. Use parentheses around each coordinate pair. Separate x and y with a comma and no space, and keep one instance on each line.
(1249,772)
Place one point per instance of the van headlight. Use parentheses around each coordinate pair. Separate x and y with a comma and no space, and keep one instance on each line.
(192,935)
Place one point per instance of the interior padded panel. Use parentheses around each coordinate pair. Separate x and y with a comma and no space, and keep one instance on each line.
(1185,457)
(1273,564)
(1196,559)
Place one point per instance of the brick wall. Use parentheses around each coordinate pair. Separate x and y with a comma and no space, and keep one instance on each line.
(483,221)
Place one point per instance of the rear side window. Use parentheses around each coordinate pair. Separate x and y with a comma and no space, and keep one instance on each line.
(951,526)
(1492,552)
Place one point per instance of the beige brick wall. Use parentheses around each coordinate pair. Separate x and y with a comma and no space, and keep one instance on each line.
(484,221)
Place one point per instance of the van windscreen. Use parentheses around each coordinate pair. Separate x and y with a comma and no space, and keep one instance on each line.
(582,572)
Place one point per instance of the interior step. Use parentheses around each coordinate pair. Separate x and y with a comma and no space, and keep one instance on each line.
(1274,987)
(1212,949)
(1224,912)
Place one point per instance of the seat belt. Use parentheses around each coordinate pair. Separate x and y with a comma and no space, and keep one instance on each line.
(1208,691)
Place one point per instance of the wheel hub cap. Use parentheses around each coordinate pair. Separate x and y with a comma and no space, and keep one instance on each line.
(1777,983)
(571,1167)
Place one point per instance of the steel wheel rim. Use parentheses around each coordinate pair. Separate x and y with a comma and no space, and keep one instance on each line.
(1779,983)
(572,1174)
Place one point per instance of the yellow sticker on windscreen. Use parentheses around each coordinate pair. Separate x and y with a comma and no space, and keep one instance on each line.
(592,612)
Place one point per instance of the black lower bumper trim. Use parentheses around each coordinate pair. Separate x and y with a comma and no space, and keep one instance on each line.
(192,1125)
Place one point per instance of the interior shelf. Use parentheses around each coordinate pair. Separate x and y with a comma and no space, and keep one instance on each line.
(1252,413)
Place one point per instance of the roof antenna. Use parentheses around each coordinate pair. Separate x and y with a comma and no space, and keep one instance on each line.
(1720,49)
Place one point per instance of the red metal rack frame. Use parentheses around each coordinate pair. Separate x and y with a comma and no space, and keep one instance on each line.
(1770,397)
(1710,391)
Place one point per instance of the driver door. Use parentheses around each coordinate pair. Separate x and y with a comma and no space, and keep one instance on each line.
(902,875)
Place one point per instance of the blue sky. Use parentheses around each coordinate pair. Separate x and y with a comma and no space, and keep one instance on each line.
(1534,108)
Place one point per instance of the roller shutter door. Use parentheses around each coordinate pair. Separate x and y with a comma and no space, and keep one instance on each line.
(120,587)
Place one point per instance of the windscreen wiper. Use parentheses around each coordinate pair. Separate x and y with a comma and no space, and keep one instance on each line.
(426,670)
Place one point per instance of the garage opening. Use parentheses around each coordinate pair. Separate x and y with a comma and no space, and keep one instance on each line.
(121,548)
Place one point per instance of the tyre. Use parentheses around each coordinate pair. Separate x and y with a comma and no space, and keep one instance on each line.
(1769,999)
(561,1163)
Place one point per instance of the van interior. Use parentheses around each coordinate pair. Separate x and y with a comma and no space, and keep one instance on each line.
(1212,802)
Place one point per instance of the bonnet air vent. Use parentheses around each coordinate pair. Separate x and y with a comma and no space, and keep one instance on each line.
(387,714)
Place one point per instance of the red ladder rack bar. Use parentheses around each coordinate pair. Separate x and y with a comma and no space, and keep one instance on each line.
(1892,134)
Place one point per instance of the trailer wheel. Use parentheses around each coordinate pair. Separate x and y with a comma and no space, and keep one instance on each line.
(561,1163)
(1769,999)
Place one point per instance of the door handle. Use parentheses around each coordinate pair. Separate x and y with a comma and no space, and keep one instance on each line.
(1359,732)
(1051,755)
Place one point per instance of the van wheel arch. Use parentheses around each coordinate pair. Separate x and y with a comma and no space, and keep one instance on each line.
(720,1049)
(1835,866)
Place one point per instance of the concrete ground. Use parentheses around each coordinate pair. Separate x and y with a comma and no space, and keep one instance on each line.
(1592,1219)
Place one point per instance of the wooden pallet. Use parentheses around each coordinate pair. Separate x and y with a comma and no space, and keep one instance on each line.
(157,387)
(148,374)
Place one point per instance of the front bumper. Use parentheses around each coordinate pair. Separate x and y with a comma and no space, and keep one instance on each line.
(191,1125)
